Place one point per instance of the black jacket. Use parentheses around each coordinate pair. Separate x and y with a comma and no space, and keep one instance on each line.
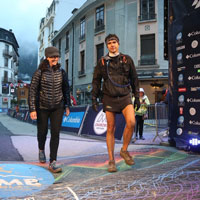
(49,88)
(121,71)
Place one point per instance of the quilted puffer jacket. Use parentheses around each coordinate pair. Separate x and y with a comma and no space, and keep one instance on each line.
(49,88)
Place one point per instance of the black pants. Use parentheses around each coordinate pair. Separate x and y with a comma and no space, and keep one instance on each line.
(55,116)
(139,125)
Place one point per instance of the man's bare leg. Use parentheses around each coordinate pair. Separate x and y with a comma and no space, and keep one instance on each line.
(129,115)
(110,137)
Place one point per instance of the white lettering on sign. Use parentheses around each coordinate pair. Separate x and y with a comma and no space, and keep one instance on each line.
(192,55)
(194,33)
(27,182)
(193,78)
(193,100)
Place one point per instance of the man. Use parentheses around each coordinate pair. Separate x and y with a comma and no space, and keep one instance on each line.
(120,80)
(49,95)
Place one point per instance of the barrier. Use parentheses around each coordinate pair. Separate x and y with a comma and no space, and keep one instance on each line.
(3,110)
(95,124)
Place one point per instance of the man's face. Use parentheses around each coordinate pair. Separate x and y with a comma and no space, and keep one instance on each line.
(113,46)
(53,60)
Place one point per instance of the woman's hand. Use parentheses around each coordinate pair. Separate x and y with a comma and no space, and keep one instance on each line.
(33,115)
(67,111)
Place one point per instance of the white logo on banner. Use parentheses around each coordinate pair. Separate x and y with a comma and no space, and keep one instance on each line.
(192,111)
(196,3)
(194,44)
(100,123)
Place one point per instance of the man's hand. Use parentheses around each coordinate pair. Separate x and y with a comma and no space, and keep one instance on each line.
(95,104)
(67,111)
(33,115)
(137,103)
(95,107)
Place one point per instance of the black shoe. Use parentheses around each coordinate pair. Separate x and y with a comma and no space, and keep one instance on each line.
(136,137)
(42,157)
(53,168)
(142,138)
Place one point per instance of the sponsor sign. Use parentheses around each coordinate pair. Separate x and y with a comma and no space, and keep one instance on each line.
(95,124)
(100,123)
(20,180)
(184,55)
(73,120)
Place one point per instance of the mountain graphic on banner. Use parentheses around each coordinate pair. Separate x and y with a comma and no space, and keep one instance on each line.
(196,3)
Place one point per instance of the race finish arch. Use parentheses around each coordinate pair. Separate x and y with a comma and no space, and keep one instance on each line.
(184,71)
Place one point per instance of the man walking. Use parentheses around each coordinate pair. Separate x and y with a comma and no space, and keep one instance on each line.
(119,83)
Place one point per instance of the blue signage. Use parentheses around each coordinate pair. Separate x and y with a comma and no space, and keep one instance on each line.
(73,120)
(20,180)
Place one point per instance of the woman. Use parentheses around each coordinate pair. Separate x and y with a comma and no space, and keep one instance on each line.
(49,95)
(141,113)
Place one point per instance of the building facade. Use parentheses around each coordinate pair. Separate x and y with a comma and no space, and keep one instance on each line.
(140,27)
(9,62)
(54,19)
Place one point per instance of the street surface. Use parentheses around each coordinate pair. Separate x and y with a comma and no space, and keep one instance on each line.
(160,172)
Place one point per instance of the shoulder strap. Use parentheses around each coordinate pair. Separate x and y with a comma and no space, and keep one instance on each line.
(113,82)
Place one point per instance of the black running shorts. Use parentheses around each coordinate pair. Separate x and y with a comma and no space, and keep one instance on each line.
(116,104)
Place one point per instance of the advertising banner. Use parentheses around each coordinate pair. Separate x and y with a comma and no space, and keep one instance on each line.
(184,59)
(95,124)
(73,122)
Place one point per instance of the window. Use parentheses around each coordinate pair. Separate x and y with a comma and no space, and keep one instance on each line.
(82,63)
(99,19)
(67,66)
(100,51)
(5,76)
(7,48)
(147,50)
(67,41)
(22,93)
(5,61)
(59,45)
(147,10)
(82,29)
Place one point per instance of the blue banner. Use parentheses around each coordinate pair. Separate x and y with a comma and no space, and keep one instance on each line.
(73,120)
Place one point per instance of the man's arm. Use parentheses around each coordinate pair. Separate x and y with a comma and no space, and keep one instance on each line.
(96,85)
(134,79)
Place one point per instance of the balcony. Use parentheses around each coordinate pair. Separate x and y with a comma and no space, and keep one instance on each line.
(81,73)
(99,28)
(6,53)
(147,17)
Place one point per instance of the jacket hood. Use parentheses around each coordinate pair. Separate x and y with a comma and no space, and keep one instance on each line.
(44,65)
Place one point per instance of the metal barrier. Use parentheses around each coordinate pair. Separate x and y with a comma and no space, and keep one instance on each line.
(158,118)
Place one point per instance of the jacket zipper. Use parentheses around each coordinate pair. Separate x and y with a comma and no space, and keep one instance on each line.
(53,86)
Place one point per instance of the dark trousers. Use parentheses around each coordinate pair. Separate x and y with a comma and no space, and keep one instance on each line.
(139,125)
(55,116)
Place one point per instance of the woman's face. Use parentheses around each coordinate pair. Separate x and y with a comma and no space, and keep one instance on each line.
(53,60)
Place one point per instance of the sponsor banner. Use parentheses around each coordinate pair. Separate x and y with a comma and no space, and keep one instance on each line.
(73,122)
(19,180)
(3,110)
(184,65)
(95,124)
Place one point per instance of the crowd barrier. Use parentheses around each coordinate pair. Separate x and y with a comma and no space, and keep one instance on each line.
(3,110)
(83,120)
(158,117)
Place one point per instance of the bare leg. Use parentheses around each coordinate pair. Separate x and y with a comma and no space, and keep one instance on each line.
(129,115)
(110,137)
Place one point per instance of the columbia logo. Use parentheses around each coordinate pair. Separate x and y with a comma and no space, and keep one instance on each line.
(196,3)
